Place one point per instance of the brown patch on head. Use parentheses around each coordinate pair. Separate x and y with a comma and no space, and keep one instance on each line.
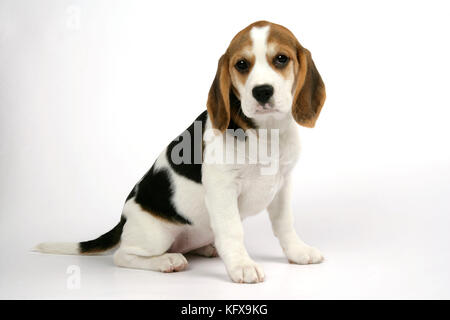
(281,42)
(240,48)
(237,76)
(309,89)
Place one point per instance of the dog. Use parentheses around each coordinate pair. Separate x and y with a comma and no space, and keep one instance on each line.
(265,82)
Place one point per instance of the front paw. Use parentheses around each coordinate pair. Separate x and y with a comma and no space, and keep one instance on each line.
(303,254)
(246,272)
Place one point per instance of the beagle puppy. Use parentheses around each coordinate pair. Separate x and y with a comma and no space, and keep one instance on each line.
(266,83)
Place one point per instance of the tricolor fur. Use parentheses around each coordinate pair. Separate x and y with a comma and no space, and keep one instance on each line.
(265,80)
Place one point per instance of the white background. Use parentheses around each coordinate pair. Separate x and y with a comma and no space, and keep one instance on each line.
(92,91)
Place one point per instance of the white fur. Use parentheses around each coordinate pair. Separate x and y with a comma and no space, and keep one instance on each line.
(57,248)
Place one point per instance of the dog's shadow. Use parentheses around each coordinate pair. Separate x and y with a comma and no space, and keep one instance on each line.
(215,273)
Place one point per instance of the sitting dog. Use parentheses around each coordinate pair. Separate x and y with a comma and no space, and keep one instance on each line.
(266,83)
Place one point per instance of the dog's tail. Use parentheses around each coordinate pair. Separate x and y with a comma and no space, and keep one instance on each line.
(103,243)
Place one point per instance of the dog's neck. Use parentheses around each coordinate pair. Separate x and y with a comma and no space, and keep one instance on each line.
(283,122)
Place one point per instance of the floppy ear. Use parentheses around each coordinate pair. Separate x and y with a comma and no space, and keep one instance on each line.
(309,95)
(218,104)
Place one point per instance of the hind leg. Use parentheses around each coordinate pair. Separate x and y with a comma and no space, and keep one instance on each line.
(208,251)
(145,241)
(167,262)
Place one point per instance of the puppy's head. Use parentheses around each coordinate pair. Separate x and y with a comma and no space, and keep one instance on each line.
(271,74)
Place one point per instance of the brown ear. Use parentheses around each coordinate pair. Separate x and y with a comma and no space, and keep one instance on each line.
(309,95)
(219,97)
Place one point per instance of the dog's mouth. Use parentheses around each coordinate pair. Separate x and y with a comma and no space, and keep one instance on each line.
(266,108)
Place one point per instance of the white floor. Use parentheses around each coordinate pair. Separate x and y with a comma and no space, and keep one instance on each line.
(381,240)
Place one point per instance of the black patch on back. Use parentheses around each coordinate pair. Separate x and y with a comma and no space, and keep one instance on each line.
(131,194)
(191,170)
(104,242)
(154,194)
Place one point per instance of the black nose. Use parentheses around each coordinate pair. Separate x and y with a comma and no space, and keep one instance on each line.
(262,93)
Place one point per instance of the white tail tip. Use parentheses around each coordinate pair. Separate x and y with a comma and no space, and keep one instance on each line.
(58,247)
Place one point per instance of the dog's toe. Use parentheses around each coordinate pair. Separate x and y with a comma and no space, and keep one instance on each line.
(304,255)
(249,272)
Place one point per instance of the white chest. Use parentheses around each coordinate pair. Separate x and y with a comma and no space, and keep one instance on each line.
(259,175)
(259,184)
(256,190)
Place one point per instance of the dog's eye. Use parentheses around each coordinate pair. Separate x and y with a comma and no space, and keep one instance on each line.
(241,65)
(280,61)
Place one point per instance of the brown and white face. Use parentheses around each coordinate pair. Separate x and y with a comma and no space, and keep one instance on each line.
(270,73)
